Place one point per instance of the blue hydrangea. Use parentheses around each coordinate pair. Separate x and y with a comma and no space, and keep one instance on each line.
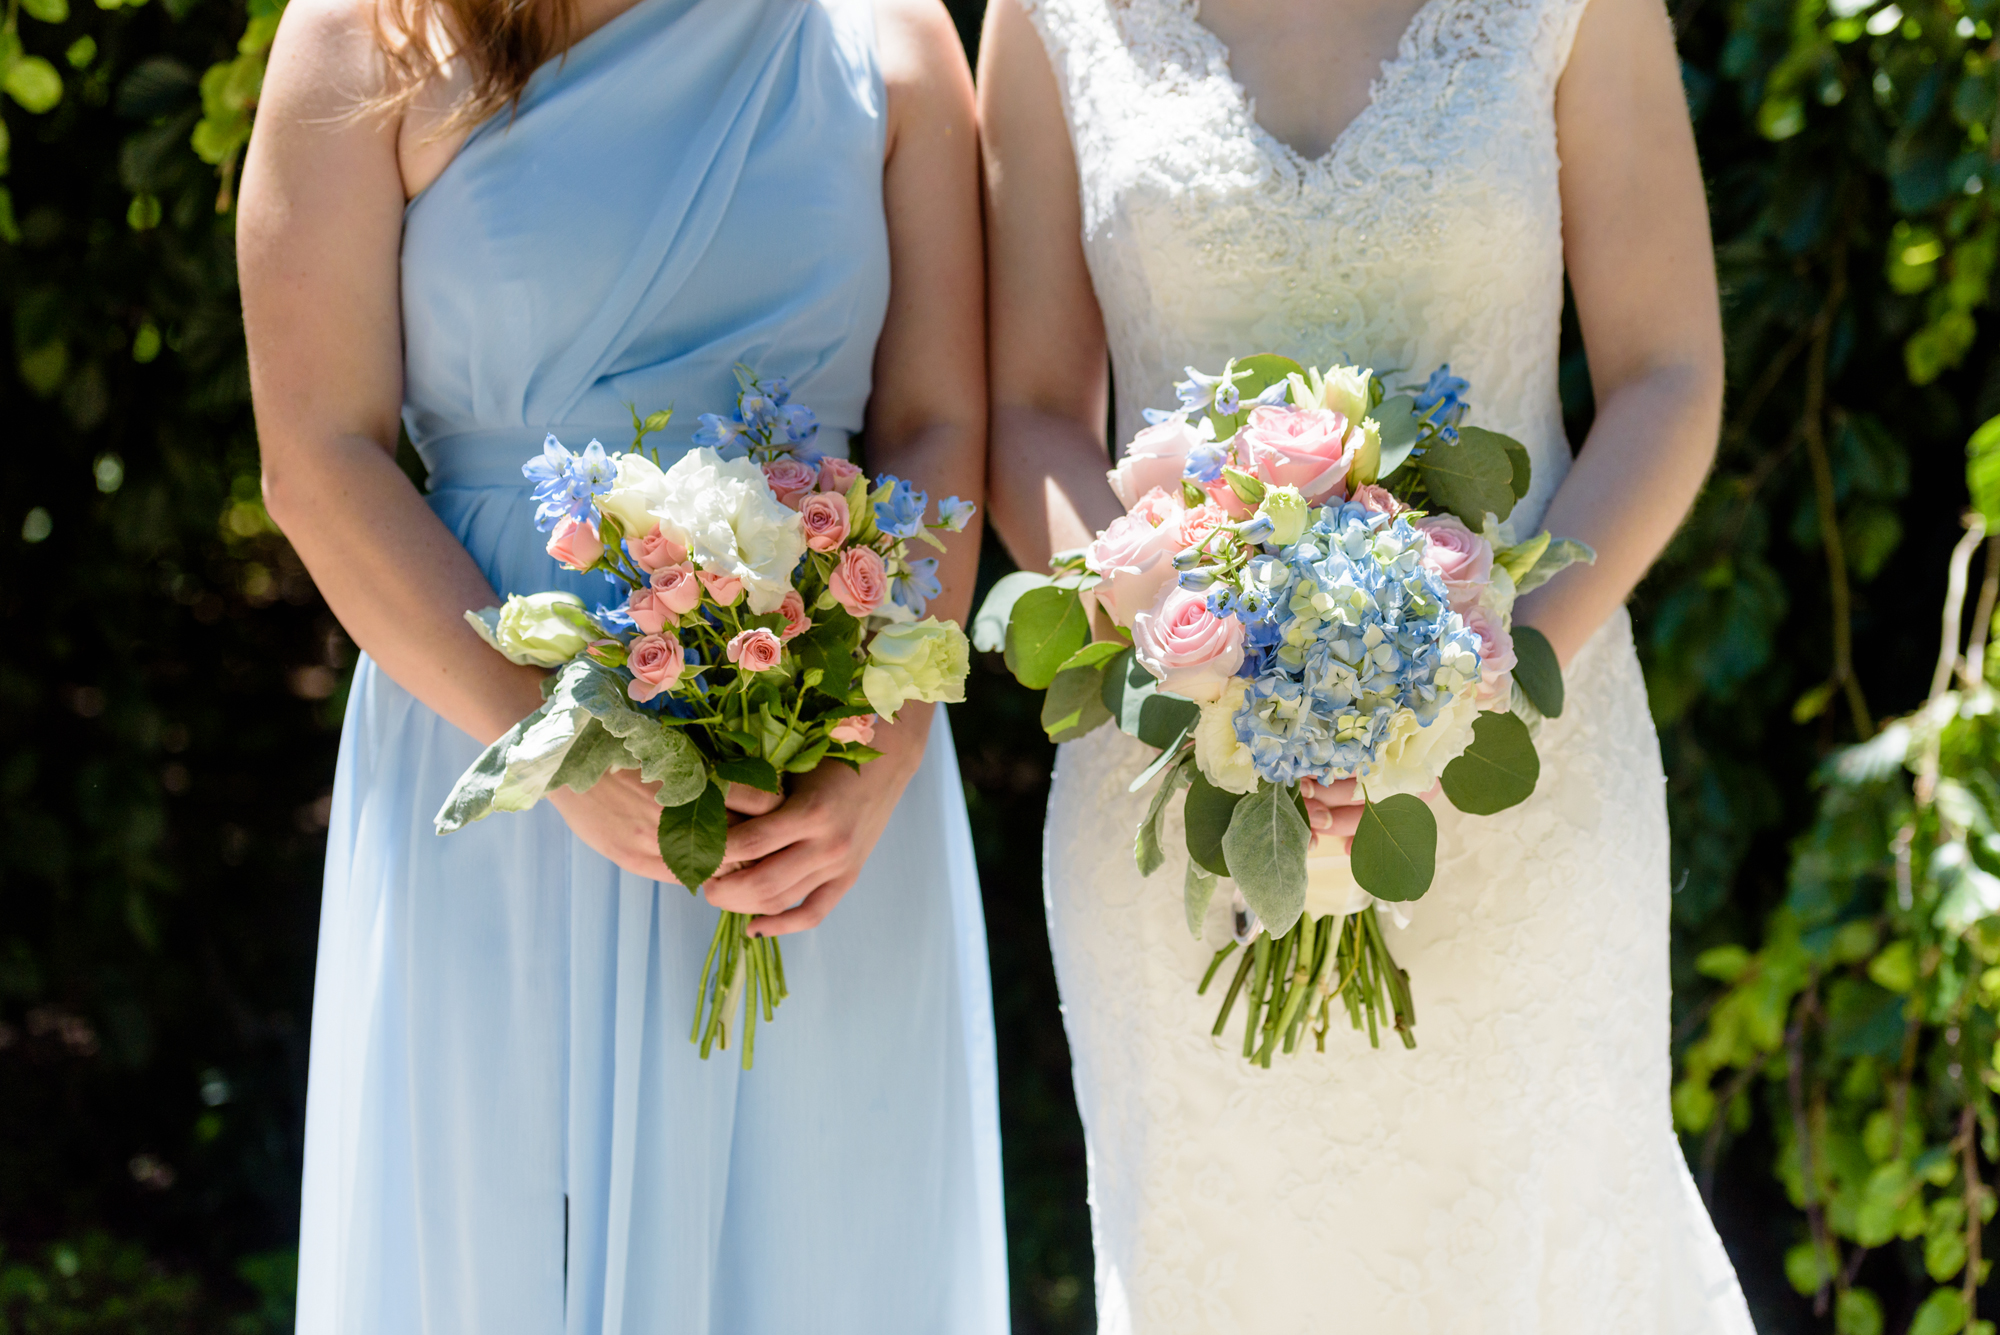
(566,483)
(902,514)
(1346,631)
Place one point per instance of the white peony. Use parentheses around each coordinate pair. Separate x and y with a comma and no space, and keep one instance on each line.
(639,486)
(1224,760)
(1413,756)
(724,513)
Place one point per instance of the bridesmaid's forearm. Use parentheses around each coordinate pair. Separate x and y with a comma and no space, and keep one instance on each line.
(1632,485)
(399,583)
(1046,484)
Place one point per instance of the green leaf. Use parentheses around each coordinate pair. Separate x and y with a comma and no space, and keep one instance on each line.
(1047,626)
(1141,709)
(1146,849)
(1395,848)
(1557,557)
(1982,472)
(48,11)
(1536,668)
(1074,704)
(1943,1313)
(594,752)
(34,83)
(1498,770)
(662,753)
(1208,813)
(1517,455)
(1471,478)
(989,623)
(1856,1312)
(1096,654)
(1265,845)
(829,647)
(692,836)
(808,760)
(1401,429)
(751,772)
(473,796)
(1197,891)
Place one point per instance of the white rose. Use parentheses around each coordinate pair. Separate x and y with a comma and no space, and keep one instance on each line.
(724,513)
(1224,761)
(538,629)
(638,487)
(1414,755)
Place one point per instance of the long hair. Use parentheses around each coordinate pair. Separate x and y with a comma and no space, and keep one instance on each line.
(503,43)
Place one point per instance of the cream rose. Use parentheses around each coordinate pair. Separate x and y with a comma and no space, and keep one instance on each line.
(917,660)
(1223,759)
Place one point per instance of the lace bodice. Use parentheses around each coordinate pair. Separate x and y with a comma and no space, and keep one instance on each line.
(1429,232)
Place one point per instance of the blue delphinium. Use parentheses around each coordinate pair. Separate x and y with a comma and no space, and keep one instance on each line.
(955,514)
(1446,393)
(1345,632)
(799,423)
(724,435)
(902,514)
(565,483)
(913,591)
(1205,461)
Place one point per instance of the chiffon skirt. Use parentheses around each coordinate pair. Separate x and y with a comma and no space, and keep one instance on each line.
(508,1130)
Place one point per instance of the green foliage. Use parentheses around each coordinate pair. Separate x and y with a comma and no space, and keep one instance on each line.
(1395,848)
(1498,770)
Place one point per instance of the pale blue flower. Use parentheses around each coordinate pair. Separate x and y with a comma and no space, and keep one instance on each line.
(720,433)
(955,514)
(902,514)
(1197,391)
(916,589)
(1446,393)
(800,425)
(1205,462)
(566,483)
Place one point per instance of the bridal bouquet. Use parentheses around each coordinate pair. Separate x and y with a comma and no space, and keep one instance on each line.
(769,610)
(1309,582)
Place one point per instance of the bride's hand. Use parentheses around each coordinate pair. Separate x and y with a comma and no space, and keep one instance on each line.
(796,863)
(620,818)
(1332,809)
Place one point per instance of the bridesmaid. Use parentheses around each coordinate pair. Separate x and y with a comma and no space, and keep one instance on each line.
(511,217)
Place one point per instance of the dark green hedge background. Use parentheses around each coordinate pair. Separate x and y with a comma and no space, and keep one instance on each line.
(171,686)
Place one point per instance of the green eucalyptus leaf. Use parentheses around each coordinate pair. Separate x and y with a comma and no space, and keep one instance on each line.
(1538,672)
(1395,848)
(1470,478)
(1498,770)
(1207,815)
(1141,709)
(1517,455)
(693,835)
(1197,892)
(1265,846)
(989,623)
(1047,626)
(1074,704)
(1400,428)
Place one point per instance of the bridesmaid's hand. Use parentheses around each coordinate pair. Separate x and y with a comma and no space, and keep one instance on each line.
(1332,809)
(619,817)
(796,863)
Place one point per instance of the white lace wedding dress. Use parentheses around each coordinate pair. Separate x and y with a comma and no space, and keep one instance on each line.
(1517,1171)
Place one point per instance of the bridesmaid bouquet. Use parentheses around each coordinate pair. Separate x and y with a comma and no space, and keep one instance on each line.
(1308,583)
(769,610)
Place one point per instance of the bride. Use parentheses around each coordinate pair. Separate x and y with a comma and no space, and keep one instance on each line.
(1400,185)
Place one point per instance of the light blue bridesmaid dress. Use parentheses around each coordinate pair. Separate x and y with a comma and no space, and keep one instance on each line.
(507,1130)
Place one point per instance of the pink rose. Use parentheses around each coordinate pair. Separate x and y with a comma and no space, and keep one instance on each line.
(1155,458)
(836,475)
(725,589)
(1190,649)
(1496,658)
(1462,557)
(791,480)
(859,729)
(1198,523)
(755,650)
(1224,498)
(859,582)
(1156,506)
(655,551)
(657,662)
(1136,561)
(671,594)
(826,521)
(575,543)
(793,610)
(1297,447)
(1378,499)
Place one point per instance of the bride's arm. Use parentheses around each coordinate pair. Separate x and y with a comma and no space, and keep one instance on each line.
(1045,474)
(926,422)
(319,236)
(1636,241)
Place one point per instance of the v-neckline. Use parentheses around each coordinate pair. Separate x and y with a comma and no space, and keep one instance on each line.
(1219,50)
